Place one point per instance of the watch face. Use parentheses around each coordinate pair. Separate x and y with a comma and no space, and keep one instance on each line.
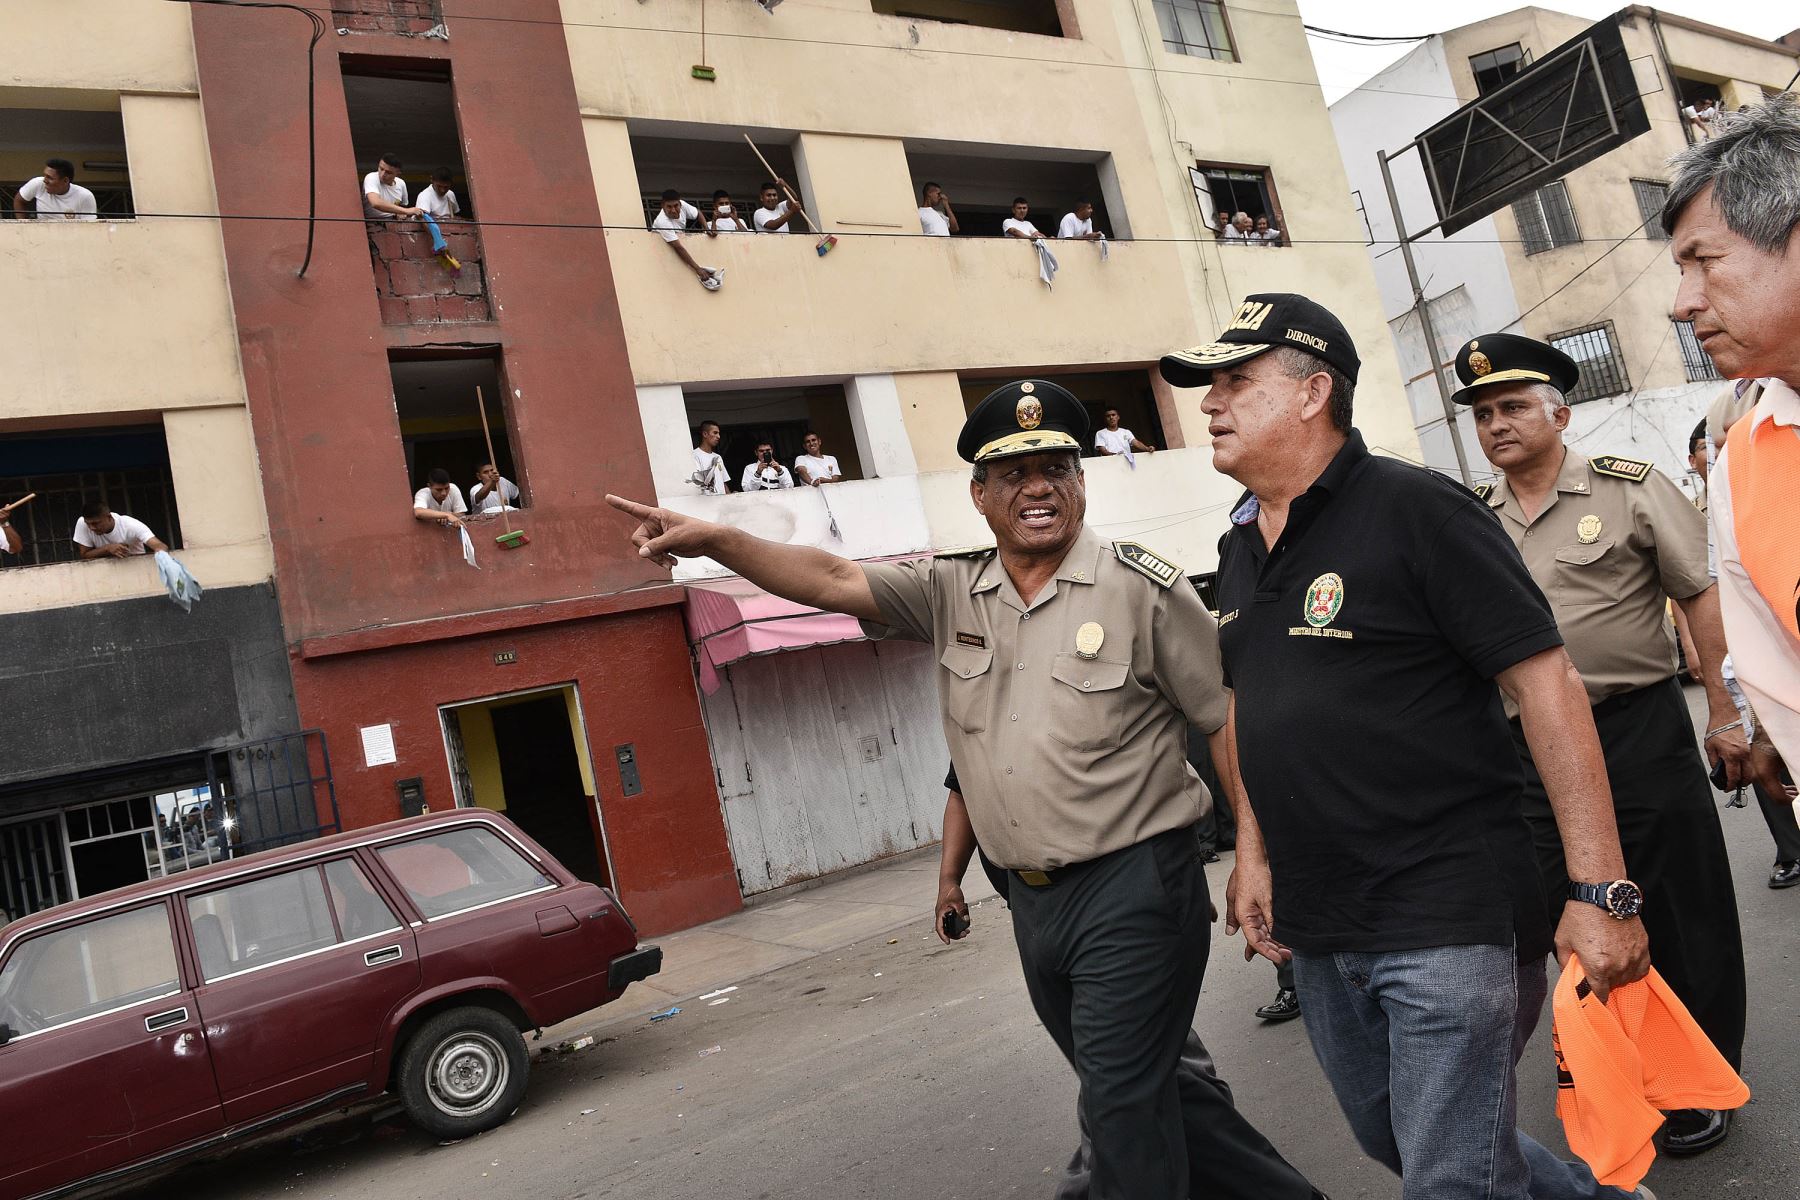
(1624,900)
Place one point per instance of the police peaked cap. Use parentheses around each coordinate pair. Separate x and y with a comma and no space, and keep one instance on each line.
(1508,358)
(1027,416)
(1265,322)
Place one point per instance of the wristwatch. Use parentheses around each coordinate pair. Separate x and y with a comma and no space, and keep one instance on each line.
(1621,898)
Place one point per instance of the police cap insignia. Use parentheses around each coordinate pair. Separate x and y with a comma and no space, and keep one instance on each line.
(1147,563)
(1028,416)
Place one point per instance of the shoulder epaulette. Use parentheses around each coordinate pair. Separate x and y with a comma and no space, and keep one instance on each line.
(1148,563)
(1483,491)
(1634,469)
(965,552)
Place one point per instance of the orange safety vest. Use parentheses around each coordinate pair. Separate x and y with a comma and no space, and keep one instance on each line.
(1619,1063)
(1765,513)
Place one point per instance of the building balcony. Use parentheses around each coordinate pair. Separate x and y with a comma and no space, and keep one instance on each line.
(416,288)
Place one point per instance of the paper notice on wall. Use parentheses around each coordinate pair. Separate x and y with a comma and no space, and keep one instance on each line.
(378,745)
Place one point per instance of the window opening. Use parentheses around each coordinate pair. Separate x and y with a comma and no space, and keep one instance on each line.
(93,143)
(440,425)
(1127,391)
(1546,219)
(1595,350)
(982,186)
(1493,68)
(698,167)
(780,417)
(1020,16)
(1650,195)
(1231,189)
(1694,359)
(1196,28)
(127,468)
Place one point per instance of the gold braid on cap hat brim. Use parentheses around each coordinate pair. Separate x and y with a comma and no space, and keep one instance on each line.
(1027,442)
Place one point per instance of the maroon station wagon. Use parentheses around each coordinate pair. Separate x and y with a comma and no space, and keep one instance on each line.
(179,1014)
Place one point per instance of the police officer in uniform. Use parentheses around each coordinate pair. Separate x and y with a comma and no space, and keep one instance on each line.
(1609,540)
(1069,668)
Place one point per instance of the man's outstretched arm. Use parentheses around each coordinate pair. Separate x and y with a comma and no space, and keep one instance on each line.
(798,573)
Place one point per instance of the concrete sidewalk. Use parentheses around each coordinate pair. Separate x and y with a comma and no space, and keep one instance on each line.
(783,928)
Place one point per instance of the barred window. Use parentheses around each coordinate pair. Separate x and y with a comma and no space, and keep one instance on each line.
(1650,194)
(1595,349)
(1546,219)
(1196,28)
(1694,358)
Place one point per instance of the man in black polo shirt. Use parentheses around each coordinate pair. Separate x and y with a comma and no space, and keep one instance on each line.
(1368,609)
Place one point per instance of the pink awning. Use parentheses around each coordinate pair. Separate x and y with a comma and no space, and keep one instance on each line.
(729,619)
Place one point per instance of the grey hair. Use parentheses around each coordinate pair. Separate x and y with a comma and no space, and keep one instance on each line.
(1298,364)
(1753,165)
(1551,396)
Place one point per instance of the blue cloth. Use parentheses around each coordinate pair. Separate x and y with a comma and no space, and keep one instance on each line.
(183,588)
(438,244)
(1421,1048)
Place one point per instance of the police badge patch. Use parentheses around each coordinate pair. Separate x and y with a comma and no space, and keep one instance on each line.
(1323,600)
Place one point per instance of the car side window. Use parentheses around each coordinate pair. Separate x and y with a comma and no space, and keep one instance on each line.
(461,868)
(361,912)
(261,922)
(88,969)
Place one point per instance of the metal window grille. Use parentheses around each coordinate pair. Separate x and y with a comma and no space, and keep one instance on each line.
(1546,219)
(1195,28)
(1694,358)
(47,525)
(1650,195)
(1595,350)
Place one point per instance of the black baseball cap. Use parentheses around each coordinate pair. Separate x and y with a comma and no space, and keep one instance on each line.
(1509,358)
(1264,322)
(1027,416)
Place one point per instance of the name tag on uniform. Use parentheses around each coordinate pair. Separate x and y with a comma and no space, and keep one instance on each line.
(971,639)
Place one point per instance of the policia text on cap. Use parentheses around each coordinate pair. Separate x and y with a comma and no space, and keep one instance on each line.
(1069,670)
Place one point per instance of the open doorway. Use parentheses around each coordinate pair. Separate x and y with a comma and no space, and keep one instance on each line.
(525,754)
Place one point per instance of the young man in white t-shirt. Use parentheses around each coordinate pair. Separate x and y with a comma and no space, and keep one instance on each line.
(1700,118)
(672,222)
(724,216)
(776,215)
(1018,225)
(9,537)
(102,533)
(1079,225)
(439,500)
(709,465)
(56,194)
(1111,439)
(816,468)
(384,192)
(493,491)
(936,217)
(764,474)
(438,200)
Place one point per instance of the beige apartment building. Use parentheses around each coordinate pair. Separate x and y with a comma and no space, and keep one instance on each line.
(1583,261)
(1160,112)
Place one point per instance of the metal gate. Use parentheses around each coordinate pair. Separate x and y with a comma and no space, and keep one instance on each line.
(34,867)
(276,791)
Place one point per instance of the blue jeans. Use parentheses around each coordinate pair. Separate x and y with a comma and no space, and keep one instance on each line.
(1421,1048)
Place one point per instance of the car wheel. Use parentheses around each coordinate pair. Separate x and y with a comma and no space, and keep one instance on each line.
(463,1072)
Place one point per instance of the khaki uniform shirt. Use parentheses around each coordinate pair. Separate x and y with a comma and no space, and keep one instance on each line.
(1063,758)
(1608,553)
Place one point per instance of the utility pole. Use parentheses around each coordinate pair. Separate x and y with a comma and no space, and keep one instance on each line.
(1424,311)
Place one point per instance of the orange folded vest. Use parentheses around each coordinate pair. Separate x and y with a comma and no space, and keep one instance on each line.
(1619,1063)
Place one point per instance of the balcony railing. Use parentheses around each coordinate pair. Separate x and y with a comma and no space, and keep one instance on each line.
(412,17)
(415,287)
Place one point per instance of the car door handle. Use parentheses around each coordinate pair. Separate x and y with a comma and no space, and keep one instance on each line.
(165,1020)
(386,954)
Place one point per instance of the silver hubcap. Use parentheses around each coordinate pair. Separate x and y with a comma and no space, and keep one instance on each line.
(468,1074)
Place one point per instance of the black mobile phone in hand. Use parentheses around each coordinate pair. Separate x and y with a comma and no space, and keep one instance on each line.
(956,926)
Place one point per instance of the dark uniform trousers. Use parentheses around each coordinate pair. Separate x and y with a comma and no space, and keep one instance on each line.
(1778,814)
(1674,849)
(1113,953)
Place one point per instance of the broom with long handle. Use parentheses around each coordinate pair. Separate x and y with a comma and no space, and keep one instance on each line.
(512,539)
(826,242)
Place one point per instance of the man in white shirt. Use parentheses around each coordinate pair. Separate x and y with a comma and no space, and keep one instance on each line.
(1266,233)
(438,200)
(9,537)
(384,192)
(1111,439)
(1734,227)
(776,215)
(493,491)
(936,217)
(56,194)
(709,465)
(1079,225)
(725,217)
(1018,225)
(439,500)
(672,222)
(101,533)
(816,468)
(764,474)
(1241,229)
(1702,117)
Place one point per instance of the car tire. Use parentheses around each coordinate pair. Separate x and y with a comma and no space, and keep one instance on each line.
(463,1072)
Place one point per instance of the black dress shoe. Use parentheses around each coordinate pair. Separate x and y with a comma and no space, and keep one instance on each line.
(1285,1007)
(1785,875)
(1212,856)
(1691,1130)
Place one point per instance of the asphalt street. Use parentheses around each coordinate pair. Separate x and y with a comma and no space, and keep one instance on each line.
(908,1070)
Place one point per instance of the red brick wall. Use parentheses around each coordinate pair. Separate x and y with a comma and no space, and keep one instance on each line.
(386,16)
(413,287)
